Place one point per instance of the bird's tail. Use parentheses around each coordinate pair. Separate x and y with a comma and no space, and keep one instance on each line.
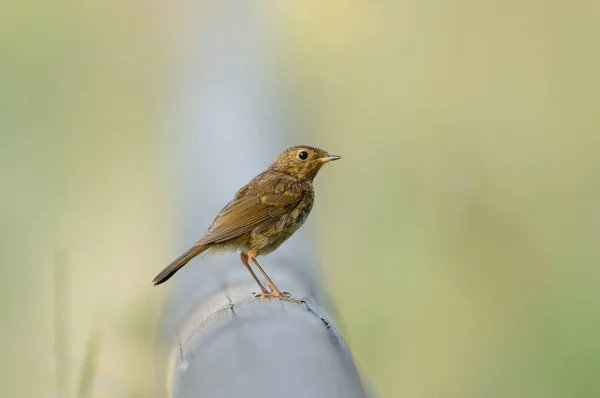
(182,260)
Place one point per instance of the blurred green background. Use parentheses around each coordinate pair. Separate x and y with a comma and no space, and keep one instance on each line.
(459,236)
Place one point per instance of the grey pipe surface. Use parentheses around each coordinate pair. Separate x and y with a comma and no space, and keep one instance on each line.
(261,348)
(222,342)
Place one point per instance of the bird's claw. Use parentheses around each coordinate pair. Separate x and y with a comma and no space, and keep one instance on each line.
(285,296)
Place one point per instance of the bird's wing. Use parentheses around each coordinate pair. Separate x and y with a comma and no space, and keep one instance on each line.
(247,212)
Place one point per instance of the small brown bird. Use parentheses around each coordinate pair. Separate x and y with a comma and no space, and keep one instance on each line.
(263,214)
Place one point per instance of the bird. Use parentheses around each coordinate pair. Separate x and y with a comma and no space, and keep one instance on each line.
(262,215)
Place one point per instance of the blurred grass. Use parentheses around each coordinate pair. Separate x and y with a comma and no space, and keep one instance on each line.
(62,323)
(90,363)
(459,234)
(78,104)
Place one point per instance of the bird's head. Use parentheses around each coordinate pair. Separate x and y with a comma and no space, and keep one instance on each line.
(302,161)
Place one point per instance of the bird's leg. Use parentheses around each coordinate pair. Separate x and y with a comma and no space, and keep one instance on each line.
(244,259)
(262,271)
(276,292)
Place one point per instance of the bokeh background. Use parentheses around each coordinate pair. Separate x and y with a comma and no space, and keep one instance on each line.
(459,236)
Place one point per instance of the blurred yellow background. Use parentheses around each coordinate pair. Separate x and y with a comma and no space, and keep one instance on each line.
(459,236)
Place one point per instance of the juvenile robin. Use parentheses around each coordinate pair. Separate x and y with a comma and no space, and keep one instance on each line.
(263,214)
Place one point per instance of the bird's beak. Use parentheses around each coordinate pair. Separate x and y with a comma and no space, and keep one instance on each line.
(329,158)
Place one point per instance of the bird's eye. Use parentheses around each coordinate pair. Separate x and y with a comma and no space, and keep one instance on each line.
(302,155)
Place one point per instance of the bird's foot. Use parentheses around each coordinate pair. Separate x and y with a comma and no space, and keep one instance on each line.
(266,294)
(285,296)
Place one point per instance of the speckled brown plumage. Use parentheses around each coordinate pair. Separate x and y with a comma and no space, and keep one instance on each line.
(263,214)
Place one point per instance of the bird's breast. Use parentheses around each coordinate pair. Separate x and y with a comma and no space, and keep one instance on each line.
(269,239)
